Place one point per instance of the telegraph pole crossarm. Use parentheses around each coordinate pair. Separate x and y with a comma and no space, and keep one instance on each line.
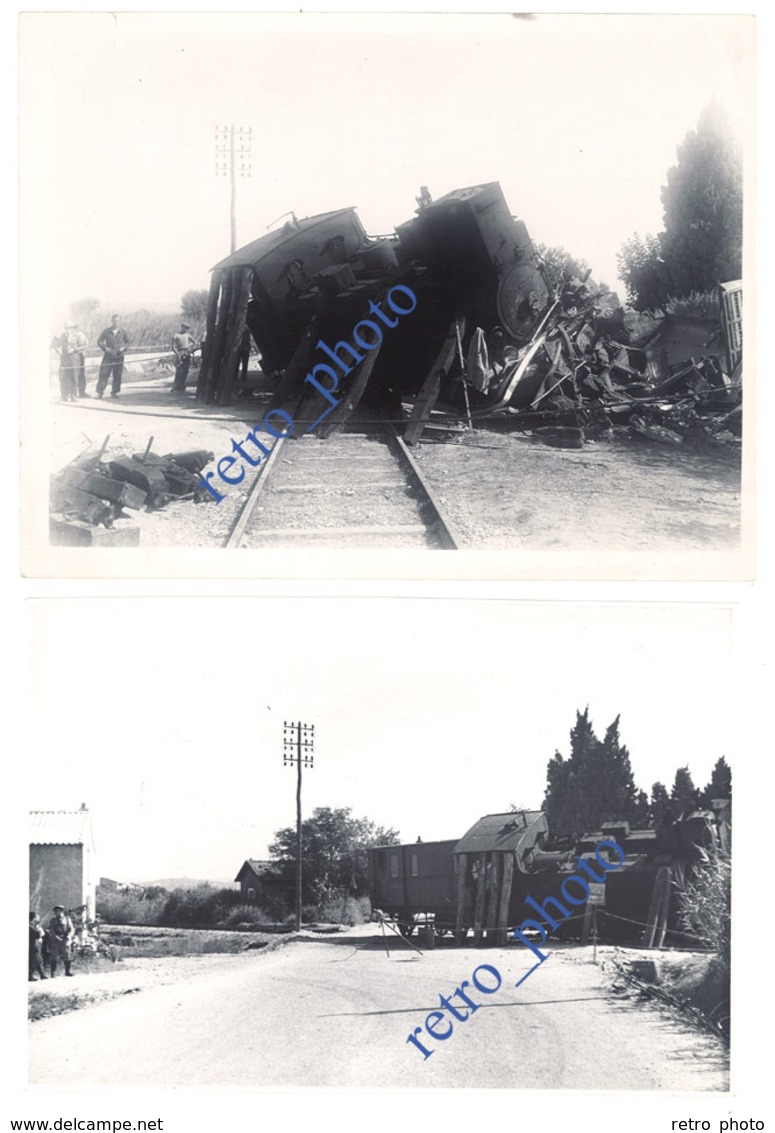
(298,747)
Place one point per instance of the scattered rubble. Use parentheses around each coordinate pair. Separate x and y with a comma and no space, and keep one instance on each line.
(91,492)
(583,376)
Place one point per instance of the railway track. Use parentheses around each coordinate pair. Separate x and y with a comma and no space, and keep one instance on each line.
(354,490)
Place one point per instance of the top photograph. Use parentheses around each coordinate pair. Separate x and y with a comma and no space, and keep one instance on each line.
(312,296)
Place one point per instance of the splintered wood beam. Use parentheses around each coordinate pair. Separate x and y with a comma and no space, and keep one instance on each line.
(481,892)
(236,329)
(462,897)
(493,895)
(655,905)
(290,383)
(664,908)
(337,417)
(205,367)
(219,339)
(429,391)
(505,899)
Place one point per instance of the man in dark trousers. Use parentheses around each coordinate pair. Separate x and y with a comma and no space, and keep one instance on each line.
(112,342)
(36,947)
(70,347)
(183,344)
(60,935)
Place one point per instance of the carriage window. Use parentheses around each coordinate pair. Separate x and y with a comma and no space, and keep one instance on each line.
(415,866)
(394,865)
(251,894)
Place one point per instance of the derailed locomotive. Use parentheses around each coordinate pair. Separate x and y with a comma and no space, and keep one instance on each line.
(479,882)
(487,309)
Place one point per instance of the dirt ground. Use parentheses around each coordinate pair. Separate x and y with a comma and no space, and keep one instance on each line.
(511,491)
(502,490)
(337,1011)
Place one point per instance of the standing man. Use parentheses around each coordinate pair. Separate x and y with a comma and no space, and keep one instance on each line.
(77,348)
(113,342)
(60,935)
(70,347)
(36,947)
(183,346)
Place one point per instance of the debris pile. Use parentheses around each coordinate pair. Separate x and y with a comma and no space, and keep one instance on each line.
(495,333)
(93,490)
(583,375)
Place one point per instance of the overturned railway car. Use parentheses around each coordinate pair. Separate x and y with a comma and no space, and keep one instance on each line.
(464,257)
(480,882)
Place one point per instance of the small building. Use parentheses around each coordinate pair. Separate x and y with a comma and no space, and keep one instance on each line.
(259,879)
(62,866)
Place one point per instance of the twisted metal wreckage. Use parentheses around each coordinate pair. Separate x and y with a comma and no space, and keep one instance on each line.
(481,882)
(494,335)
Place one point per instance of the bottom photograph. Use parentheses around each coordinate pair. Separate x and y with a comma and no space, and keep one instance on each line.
(381,842)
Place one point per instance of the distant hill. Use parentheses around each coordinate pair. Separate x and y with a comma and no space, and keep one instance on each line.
(188,883)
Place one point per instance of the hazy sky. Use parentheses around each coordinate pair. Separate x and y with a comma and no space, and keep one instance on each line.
(165,716)
(577,117)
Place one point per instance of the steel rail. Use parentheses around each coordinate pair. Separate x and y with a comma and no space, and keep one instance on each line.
(437,523)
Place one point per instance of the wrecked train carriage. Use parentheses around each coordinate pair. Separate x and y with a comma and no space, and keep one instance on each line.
(481,881)
(463,256)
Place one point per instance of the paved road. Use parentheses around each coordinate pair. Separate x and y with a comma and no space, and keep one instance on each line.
(337,1012)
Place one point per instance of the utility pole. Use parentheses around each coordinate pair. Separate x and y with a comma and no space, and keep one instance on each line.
(232,146)
(298,745)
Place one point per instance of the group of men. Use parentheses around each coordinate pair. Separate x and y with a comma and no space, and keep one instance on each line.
(71,348)
(52,944)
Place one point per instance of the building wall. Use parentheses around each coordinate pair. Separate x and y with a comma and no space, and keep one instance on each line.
(249,882)
(60,875)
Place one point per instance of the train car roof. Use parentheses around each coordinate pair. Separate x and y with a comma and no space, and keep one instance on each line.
(250,254)
(498,831)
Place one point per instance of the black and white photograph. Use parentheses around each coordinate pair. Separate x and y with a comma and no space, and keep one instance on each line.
(418,865)
(343,284)
(312,826)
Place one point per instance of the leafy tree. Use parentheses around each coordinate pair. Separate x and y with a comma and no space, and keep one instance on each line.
(558,260)
(194,304)
(662,810)
(643,272)
(720,785)
(702,215)
(334,846)
(703,207)
(594,785)
(641,811)
(82,310)
(684,795)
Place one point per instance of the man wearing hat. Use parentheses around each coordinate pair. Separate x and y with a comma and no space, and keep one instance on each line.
(60,935)
(183,346)
(70,347)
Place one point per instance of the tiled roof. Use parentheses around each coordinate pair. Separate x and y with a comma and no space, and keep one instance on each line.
(61,828)
(260,868)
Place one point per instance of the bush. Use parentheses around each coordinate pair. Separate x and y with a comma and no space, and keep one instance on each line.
(130,908)
(699,304)
(243,914)
(343,909)
(204,906)
(705,903)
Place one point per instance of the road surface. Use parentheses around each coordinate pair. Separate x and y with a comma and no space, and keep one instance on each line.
(335,1011)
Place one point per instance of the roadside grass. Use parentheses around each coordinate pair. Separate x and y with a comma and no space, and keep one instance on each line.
(695,984)
(97,979)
